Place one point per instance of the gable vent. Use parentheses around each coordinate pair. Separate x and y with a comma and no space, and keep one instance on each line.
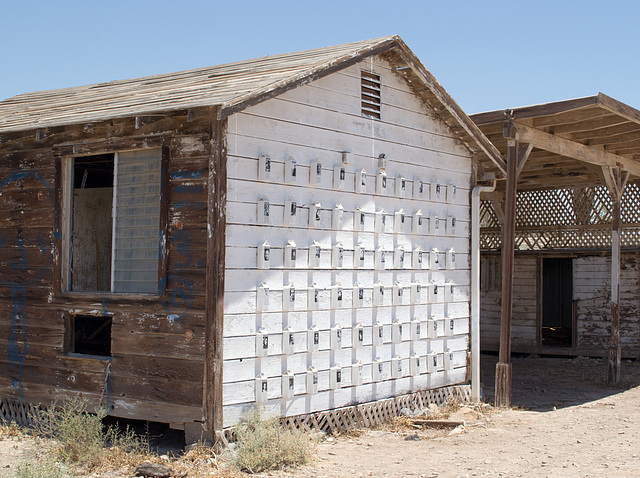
(370,95)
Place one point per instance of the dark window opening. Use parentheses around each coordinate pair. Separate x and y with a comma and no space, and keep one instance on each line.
(91,335)
(91,223)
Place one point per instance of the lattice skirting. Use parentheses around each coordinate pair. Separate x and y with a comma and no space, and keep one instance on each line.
(366,414)
(12,410)
(375,413)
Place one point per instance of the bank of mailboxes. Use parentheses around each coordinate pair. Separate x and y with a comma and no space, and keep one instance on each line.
(402,222)
(401,256)
(400,186)
(401,294)
(394,368)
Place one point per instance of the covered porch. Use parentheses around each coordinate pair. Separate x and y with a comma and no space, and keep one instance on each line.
(567,189)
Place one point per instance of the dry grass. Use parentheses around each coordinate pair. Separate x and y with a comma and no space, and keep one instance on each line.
(264,444)
(12,431)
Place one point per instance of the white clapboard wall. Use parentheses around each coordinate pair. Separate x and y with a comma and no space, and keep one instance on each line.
(268,304)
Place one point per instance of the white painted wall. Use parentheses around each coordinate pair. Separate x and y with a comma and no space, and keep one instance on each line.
(317,122)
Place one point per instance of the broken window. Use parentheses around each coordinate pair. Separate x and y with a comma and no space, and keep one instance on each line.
(115,222)
(91,335)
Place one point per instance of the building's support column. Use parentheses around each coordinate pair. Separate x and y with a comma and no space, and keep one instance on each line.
(215,274)
(516,157)
(616,182)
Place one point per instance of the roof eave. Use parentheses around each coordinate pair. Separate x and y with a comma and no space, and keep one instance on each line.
(451,106)
(271,91)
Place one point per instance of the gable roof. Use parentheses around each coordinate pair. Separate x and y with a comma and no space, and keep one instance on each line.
(231,87)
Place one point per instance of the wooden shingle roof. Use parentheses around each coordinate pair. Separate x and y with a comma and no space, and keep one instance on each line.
(231,87)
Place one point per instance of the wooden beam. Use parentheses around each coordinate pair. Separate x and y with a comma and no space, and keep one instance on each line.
(215,267)
(523,155)
(619,108)
(555,144)
(496,202)
(147,120)
(536,110)
(588,125)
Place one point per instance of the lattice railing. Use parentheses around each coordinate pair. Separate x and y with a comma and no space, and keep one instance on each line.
(576,218)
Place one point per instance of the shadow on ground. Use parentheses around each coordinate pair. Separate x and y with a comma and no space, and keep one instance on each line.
(542,383)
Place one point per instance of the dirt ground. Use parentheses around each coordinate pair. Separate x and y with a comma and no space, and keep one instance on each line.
(565,423)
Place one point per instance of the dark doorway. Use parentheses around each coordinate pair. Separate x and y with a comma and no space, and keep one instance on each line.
(557,302)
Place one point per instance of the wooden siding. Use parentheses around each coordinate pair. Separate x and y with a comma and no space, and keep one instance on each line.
(523,327)
(317,122)
(592,296)
(592,307)
(157,342)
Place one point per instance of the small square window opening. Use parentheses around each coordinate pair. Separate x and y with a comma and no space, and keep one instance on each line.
(91,335)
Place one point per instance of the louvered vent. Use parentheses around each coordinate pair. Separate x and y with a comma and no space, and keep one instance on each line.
(370,94)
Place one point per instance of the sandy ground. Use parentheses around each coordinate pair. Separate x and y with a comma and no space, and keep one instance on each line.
(566,423)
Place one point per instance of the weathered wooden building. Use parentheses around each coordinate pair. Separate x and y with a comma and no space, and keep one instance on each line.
(576,216)
(290,231)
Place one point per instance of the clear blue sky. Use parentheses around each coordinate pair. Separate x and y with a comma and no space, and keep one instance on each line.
(488,54)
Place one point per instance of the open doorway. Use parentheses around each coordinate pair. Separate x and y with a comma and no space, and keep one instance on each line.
(557,302)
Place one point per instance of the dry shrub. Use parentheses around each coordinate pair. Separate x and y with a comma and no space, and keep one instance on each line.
(264,444)
(12,430)
(43,467)
(80,438)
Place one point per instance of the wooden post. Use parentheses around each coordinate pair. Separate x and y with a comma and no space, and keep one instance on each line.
(503,367)
(215,269)
(616,181)
(615,352)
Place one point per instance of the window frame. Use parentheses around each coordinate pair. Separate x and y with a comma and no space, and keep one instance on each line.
(65,157)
